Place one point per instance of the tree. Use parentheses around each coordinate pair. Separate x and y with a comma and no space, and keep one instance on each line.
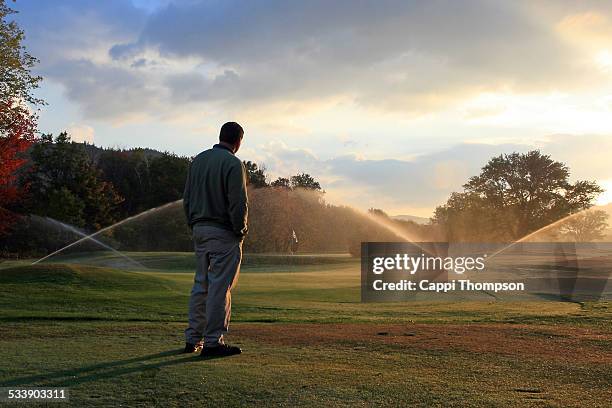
(377,212)
(281,182)
(167,175)
(16,80)
(144,178)
(65,185)
(466,217)
(128,172)
(513,196)
(586,226)
(13,146)
(256,174)
(17,119)
(305,181)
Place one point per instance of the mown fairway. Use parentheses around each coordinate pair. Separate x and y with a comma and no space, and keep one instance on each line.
(113,337)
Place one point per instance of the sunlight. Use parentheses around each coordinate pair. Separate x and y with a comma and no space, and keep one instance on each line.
(604,60)
(606,196)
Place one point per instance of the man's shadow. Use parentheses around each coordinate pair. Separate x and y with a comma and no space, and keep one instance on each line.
(71,377)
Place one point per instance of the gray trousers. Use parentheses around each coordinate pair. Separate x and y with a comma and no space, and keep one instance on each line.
(218,253)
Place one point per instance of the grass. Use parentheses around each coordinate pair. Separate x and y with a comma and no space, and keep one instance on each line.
(185,262)
(113,335)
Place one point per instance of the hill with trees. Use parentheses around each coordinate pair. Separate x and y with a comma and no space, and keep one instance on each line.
(513,196)
(90,188)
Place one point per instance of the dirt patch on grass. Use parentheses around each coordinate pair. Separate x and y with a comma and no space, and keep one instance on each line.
(570,344)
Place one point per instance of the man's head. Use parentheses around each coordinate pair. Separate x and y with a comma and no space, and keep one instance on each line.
(231,135)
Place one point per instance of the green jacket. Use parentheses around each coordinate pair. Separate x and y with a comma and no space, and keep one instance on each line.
(215,191)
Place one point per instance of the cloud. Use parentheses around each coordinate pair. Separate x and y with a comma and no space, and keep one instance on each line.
(81,133)
(106,92)
(588,156)
(424,182)
(587,27)
(407,57)
(394,55)
(281,160)
(64,30)
(418,185)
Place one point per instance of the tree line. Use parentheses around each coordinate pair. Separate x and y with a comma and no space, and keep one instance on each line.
(89,188)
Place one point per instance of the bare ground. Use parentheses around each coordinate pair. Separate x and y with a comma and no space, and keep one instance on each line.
(581,345)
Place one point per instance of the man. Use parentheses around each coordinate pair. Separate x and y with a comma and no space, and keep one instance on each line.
(216,205)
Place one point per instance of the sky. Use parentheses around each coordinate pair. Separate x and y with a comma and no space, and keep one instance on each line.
(390,104)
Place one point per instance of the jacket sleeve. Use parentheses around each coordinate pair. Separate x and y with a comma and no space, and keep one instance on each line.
(237,198)
(186,195)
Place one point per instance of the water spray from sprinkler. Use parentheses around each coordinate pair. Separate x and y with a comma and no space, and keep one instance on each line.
(89,237)
(85,236)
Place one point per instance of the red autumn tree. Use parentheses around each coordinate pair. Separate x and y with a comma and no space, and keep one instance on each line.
(17,114)
(14,142)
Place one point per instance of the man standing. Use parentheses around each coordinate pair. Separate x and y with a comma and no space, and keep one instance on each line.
(216,206)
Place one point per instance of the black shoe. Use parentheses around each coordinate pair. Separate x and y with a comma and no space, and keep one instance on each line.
(192,348)
(222,350)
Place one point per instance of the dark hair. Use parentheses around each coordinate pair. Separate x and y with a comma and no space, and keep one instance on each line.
(231,132)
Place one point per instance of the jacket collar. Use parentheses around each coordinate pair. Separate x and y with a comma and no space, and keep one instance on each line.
(220,146)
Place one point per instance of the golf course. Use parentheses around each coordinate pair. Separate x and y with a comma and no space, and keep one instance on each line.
(113,336)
